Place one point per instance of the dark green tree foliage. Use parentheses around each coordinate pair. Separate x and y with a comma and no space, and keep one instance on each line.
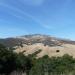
(54,66)
(10,61)
(34,55)
(23,63)
(7,60)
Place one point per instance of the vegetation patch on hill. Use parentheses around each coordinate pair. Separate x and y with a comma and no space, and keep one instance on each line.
(10,62)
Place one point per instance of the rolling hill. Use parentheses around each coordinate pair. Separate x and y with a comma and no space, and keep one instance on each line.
(48,45)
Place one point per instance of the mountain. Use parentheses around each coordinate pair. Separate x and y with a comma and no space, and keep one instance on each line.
(48,45)
(35,38)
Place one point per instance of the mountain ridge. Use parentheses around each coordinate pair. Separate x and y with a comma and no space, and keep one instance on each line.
(48,45)
(34,38)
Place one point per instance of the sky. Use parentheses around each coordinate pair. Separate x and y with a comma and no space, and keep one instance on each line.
(50,17)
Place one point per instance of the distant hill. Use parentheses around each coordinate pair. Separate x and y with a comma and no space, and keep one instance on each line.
(48,45)
(36,38)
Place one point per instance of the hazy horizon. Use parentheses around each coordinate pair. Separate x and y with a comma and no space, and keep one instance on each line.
(50,17)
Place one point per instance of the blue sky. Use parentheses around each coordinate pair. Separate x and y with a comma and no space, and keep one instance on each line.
(50,17)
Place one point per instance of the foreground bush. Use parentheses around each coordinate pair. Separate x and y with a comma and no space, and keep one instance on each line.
(54,66)
(11,62)
(7,60)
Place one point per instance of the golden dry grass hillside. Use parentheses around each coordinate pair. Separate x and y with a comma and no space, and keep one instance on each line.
(47,50)
(48,45)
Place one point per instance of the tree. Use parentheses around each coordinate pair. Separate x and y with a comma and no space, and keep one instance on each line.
(54,66)
(23,63)
(7,60)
